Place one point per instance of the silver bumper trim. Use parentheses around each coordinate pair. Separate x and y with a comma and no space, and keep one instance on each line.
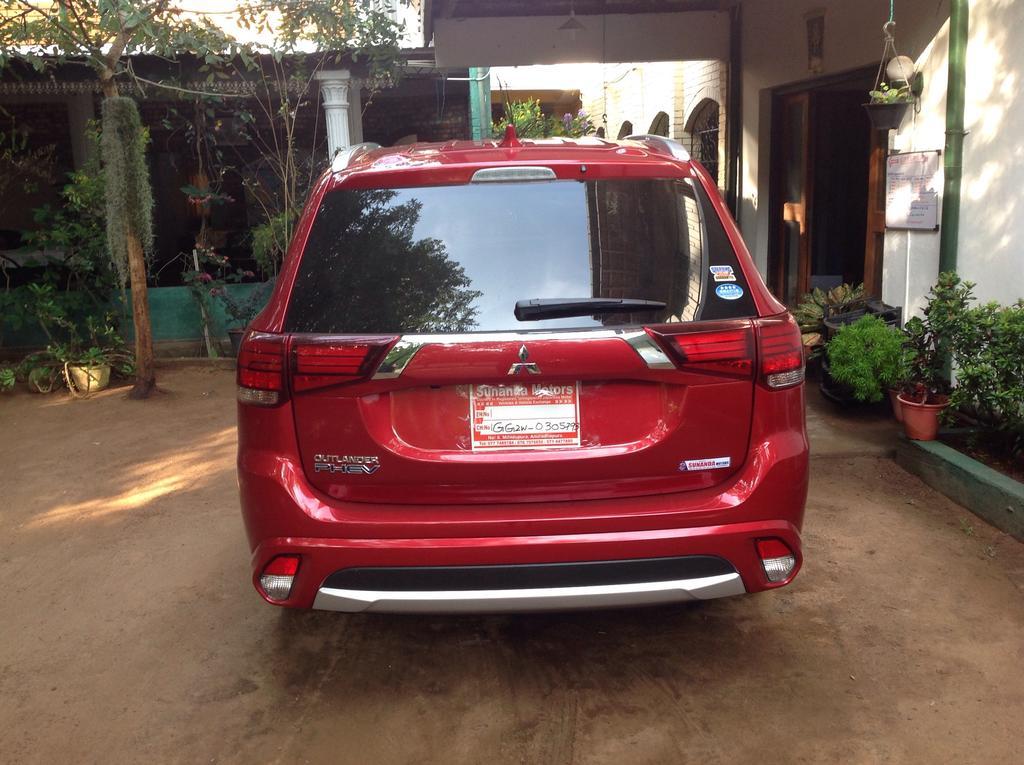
(545,599)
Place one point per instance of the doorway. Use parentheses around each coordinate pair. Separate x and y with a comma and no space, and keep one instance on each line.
(825,184)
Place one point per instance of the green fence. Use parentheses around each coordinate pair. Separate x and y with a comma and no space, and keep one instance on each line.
(173,311)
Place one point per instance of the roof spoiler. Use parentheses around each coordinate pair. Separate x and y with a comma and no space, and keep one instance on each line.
(667,145)
(345,157)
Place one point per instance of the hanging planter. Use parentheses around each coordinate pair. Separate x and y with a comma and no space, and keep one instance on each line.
(891,98)
(887,116)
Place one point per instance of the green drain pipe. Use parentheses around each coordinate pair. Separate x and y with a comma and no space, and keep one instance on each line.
(953,158)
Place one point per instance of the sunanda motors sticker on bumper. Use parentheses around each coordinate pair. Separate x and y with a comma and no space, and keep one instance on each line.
(524,416)
(708,463)
(729,291)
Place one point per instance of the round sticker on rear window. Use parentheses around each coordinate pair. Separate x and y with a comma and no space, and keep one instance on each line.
(729,291)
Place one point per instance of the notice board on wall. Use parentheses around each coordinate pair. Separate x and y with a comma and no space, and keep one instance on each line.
(912,183)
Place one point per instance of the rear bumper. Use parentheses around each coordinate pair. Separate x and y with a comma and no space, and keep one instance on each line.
(284,514)
(322,559)
(528,599)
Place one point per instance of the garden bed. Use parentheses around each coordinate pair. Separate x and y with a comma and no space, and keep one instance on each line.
(988,493)
(971,444)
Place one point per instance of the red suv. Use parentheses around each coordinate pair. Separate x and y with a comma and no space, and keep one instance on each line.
(519,375)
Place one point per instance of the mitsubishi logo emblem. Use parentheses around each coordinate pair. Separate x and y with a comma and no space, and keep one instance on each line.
(523,365)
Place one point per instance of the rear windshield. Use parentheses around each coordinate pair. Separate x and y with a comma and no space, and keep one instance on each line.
(458,258)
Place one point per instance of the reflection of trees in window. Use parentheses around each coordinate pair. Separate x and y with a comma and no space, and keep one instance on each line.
(363,271)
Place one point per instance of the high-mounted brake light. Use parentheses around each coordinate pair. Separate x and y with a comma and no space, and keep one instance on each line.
(778,560)
(261,369)
(278,576)
(781,352)
(319,363)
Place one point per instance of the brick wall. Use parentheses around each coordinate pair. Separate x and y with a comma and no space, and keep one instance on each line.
(45,124)
(638,92)
(702,81)
(429,117)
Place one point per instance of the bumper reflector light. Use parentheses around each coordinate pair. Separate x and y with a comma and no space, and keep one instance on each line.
(785,379)
(258,397)
(777,559)
(278,575)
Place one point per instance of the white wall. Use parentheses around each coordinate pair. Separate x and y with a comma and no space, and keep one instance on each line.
(615,37)
(991,243)
(775,54)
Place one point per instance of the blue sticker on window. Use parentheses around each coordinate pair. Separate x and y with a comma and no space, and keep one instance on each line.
(729,291)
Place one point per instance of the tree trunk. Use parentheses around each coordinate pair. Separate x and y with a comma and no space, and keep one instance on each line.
(145,373)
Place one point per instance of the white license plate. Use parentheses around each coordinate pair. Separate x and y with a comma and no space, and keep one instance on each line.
(524,415)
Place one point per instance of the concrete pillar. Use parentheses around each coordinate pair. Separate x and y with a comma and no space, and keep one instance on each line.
(334,94)
(355,112)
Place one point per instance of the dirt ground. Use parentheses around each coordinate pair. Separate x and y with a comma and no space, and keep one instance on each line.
(129,631)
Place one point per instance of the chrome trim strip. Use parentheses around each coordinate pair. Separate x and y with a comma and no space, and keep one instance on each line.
(402,352)
(397,358)
(537,599)
(648,350)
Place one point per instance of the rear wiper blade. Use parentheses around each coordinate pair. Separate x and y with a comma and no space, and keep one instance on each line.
(558,308)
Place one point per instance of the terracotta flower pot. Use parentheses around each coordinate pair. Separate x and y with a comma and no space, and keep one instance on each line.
(897,408)
(921,420)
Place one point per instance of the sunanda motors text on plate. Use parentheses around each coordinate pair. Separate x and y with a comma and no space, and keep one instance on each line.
(525,416)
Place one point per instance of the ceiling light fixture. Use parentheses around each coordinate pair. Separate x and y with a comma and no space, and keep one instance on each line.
(571,25)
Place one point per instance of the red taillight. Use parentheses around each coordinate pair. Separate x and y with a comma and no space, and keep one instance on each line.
(261,369)
(319,363)
(283,565)
(781,351)
(278,576)
(725,351)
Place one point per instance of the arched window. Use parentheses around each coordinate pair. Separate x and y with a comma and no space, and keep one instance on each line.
(625,130)
(660,125)
(704,136)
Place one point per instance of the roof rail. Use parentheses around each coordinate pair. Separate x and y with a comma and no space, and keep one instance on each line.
(674,148)
(345,157)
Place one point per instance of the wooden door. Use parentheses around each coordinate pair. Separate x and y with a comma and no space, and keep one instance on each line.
(791,214)
(874,241)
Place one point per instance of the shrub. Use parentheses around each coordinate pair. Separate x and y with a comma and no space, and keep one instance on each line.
(933,338)
(989,359)
(869,357)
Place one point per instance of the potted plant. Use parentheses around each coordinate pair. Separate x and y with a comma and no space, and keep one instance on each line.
(869,358)
(84,365)
(40,370)
(7,379)
(931,340)
(817,305)
(888,105)
(241,311)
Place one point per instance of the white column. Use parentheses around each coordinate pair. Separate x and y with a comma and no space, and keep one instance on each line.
(334,93)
